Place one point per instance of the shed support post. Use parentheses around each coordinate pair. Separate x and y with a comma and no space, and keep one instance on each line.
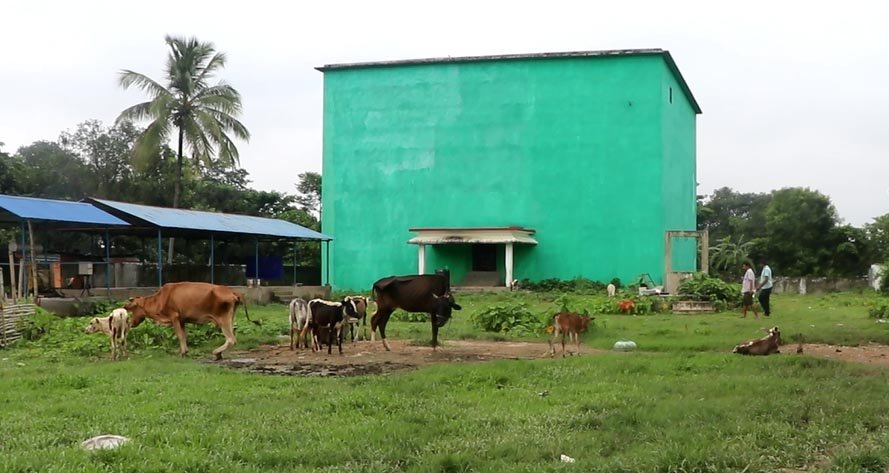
(509,265)
(212,260)
(327,263)
(256,264)
(294,262)
(160,260)
(107,264)
(421,259)
(23,280)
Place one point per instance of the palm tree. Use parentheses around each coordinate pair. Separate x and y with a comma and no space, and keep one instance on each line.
(728,254)
(203,115)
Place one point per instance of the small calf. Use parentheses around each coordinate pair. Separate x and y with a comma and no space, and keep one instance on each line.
(764,346)
(115,326)
(361,306)
(571,324)
(334,316)
(300,318)
(612,290)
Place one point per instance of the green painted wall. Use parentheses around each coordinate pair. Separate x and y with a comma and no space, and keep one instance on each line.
(575,148)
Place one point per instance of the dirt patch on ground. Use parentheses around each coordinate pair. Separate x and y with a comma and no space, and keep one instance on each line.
(364,357)
(872,354)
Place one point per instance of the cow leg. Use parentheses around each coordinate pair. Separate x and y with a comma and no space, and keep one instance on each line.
(563,344)
(380,319)
(179,327)
(230,340)
(113,349)
(339,338)
(291,336)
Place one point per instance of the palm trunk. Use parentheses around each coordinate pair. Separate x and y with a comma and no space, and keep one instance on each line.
(177,189)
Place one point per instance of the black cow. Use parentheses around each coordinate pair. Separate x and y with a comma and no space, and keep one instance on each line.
(430,293)
(333,316)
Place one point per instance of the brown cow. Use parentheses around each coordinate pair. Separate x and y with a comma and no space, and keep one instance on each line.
(571,324)
(764,346)
(176,304)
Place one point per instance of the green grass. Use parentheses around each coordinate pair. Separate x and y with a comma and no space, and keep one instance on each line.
(682,403)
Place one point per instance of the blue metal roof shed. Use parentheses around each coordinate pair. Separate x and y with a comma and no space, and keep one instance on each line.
(175,222)
(15,209)
(168,222)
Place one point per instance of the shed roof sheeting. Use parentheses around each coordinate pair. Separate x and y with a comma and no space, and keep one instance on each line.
(213,222)
(49,210)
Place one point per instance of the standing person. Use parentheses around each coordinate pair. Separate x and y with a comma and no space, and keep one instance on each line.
(748,285)
(765,287)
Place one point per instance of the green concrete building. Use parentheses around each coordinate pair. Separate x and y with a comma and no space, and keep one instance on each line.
(502,168)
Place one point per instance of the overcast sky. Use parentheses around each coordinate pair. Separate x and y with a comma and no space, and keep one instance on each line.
(793,94)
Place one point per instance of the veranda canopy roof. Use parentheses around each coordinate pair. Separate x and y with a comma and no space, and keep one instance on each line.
(485,235)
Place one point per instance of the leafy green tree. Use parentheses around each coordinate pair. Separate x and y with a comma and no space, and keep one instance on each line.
(309,188)
(878,234)
(852,252)
(799,227)
(10,173)
(51,171)
(106,151)
(730,213)
(202,115)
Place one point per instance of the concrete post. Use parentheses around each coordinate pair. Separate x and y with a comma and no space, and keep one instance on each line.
(421,259)
(509,265)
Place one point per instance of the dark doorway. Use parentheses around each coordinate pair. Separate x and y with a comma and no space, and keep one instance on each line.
(484,257)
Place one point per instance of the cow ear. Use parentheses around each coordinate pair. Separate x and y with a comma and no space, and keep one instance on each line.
(456,306)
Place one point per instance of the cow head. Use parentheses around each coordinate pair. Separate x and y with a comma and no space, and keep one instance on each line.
(94,326)
(585,322)
(443,306)
(136,307)
(350,309)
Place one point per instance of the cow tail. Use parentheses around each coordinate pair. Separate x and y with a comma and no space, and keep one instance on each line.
(243,301)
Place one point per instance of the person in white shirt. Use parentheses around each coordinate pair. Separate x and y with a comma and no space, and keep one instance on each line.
(748,286)
(765,287)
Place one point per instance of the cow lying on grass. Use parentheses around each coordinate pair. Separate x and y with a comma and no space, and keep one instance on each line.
(570,324)
(764,346)
(115,326)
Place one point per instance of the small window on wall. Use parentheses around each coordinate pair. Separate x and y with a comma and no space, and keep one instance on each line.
(671,95)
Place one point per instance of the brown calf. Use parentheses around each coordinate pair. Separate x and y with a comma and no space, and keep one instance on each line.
(764,346)
(571,324)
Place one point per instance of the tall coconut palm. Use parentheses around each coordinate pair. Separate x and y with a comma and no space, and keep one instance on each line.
(203,116)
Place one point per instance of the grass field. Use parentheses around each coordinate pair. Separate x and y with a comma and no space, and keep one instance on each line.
(681,403)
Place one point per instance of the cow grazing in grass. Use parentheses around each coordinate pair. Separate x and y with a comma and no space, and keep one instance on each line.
(176,304)
(429,293)
(333,316)
(764,346)
(300,318)
(116,326)
(570,324)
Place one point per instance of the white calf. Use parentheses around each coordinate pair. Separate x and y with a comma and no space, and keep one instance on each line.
(115,326)
(611,290)
(300,318)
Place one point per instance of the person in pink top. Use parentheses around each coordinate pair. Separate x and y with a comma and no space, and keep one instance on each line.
(748,287)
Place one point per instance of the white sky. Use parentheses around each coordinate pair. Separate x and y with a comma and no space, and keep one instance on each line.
(793,93)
